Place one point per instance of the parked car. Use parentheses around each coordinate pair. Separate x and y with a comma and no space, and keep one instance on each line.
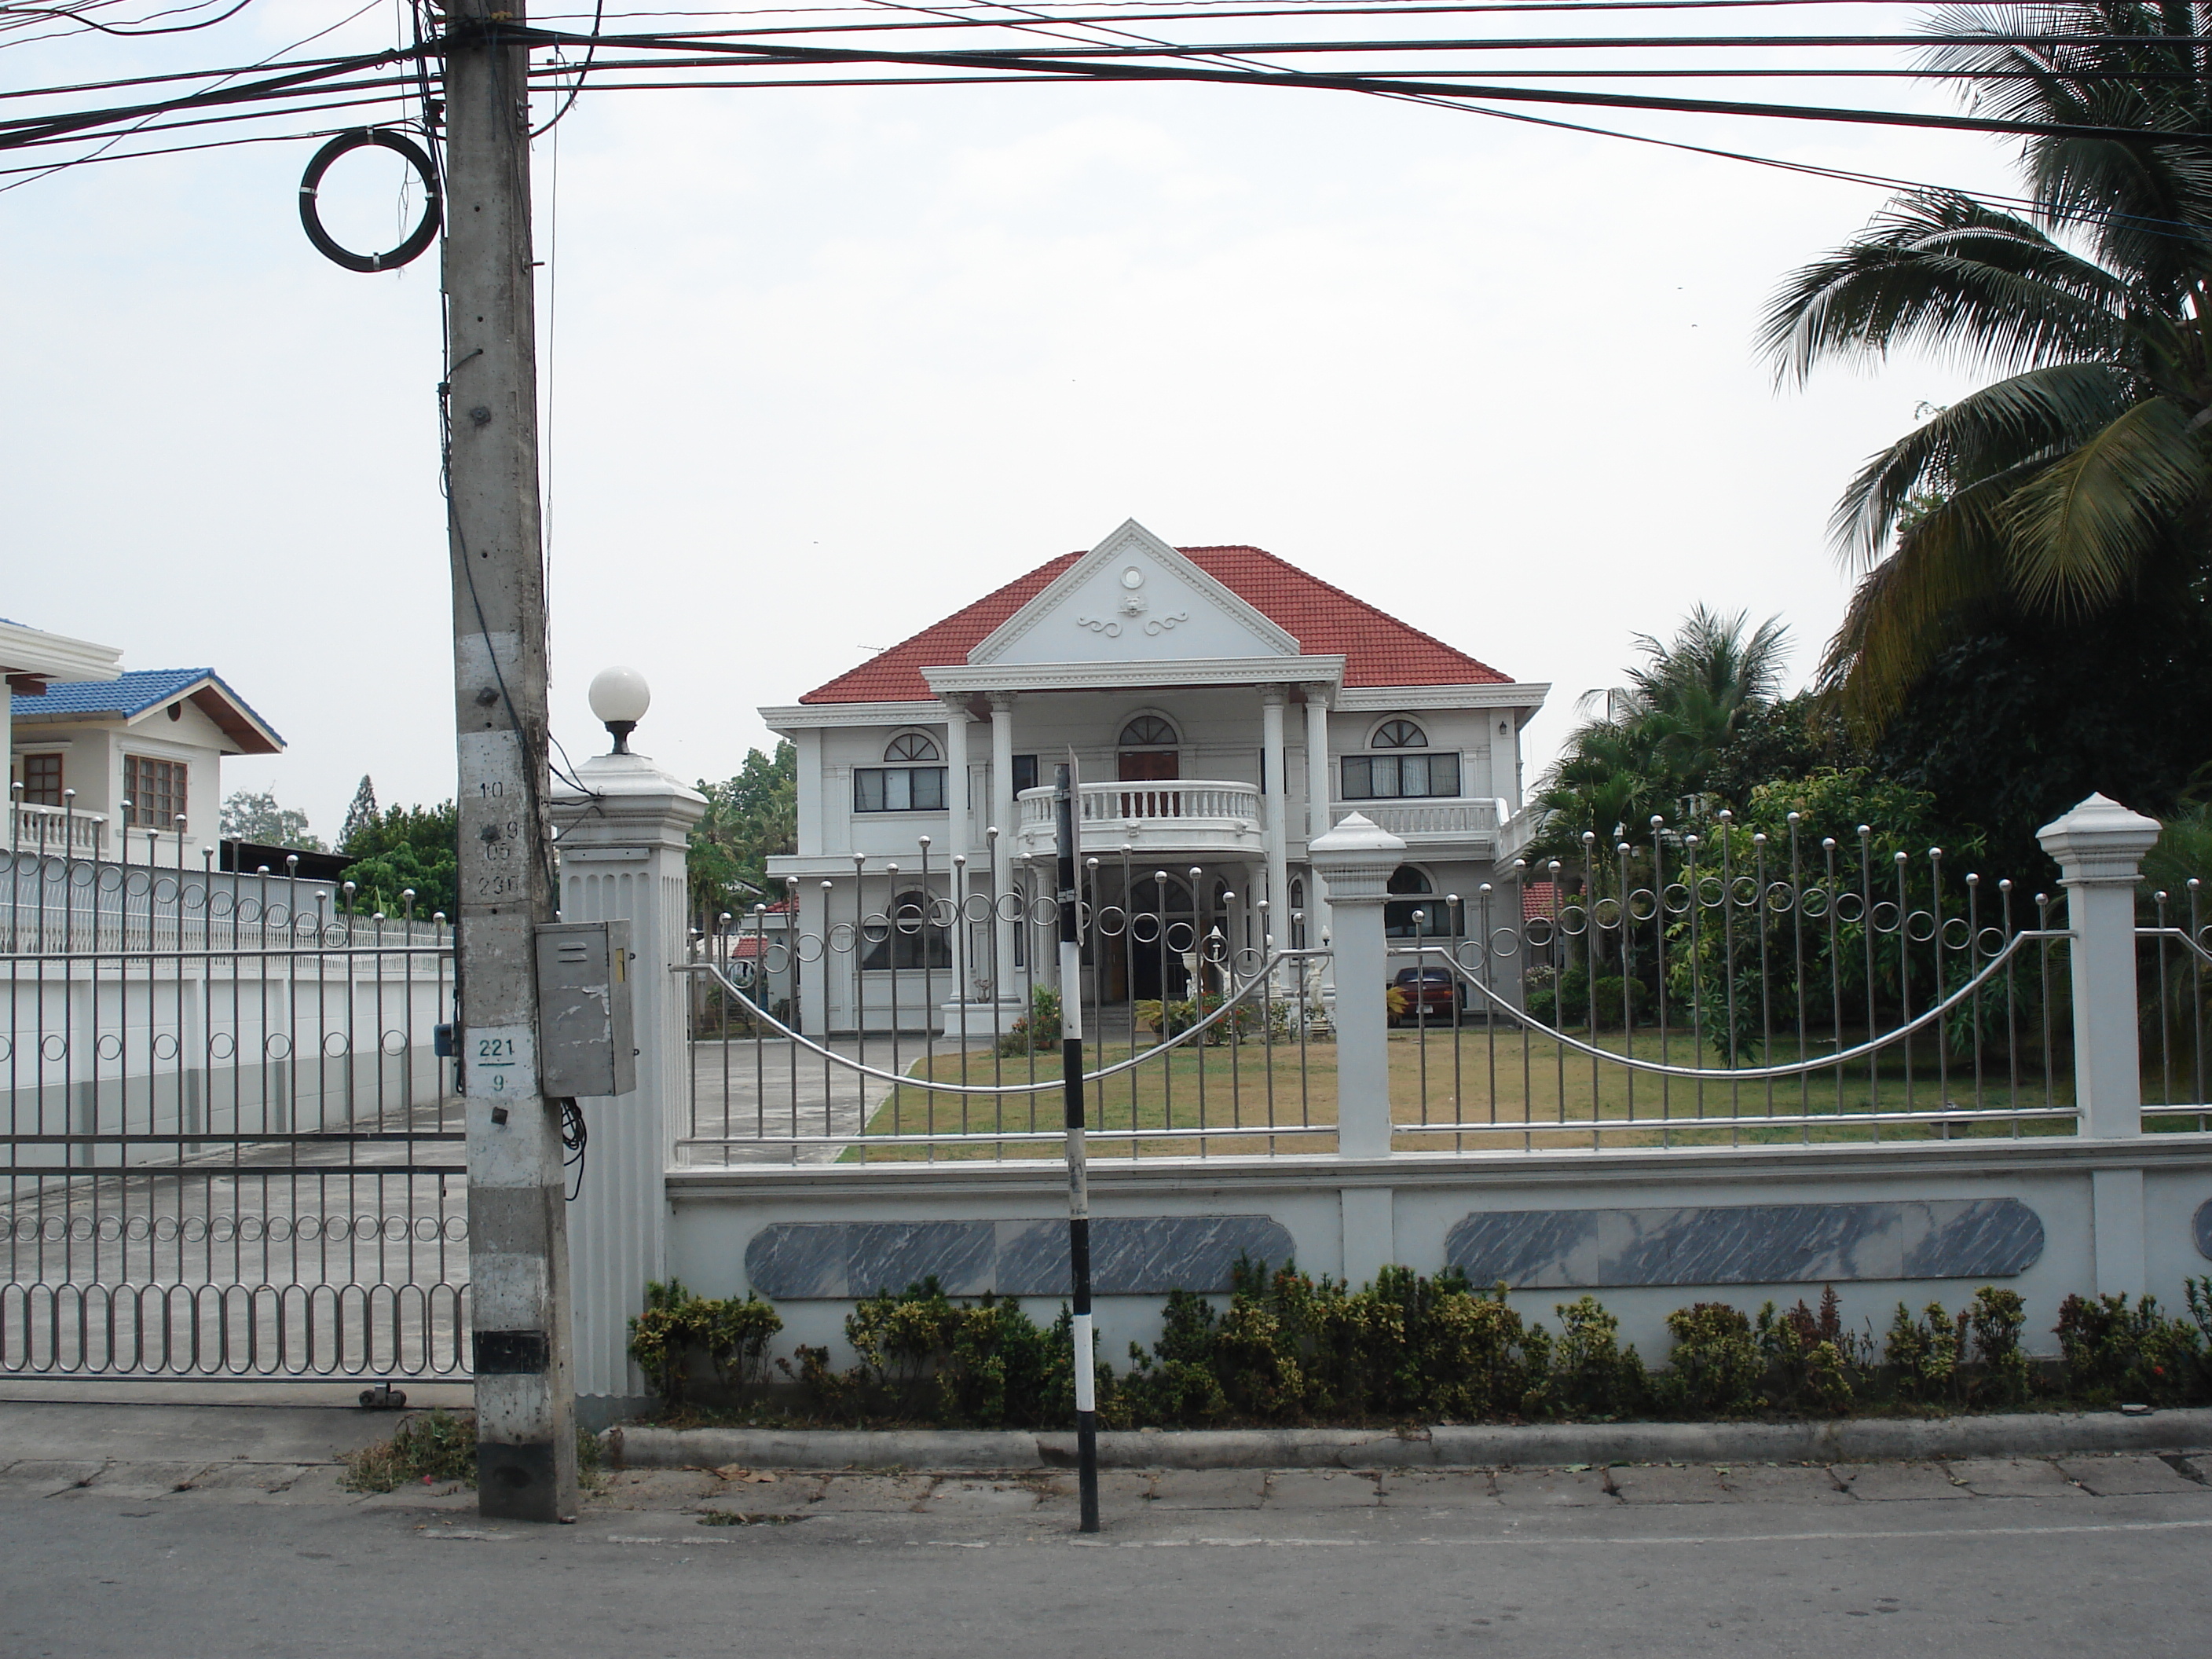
(1427,995)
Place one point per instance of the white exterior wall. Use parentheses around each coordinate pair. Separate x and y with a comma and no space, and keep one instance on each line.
(92,764)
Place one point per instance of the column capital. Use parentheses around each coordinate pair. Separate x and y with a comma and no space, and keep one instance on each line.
(1318,693)
(1356,859)
(1001,701)
(2099,844)
(1274,697)
(956,704)
(625,800)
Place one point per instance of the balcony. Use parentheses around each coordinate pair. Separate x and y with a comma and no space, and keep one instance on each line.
(55,830)
(1190,817)
(1466,827)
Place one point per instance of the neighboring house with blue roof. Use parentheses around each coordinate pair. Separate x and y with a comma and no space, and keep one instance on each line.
(140,750)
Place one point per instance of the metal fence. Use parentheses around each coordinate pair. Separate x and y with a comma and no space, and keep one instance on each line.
(1205,1035)
(2177,951)
(230,1147)
(1725,987)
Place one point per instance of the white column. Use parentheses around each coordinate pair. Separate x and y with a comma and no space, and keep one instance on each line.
(957,804)
(623,848)
(1356,859)
(1006,817)
(1276,765)
(956,843)
(1318,794)
(2099,846)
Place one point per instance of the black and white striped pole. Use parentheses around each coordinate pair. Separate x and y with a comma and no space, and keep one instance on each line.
(1079,1178)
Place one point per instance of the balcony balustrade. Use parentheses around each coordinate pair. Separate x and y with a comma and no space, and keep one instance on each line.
(1193,815)
(55,830)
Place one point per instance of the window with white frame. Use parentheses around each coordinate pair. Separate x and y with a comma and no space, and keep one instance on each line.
(1398,774)
(901,785)
(154,791)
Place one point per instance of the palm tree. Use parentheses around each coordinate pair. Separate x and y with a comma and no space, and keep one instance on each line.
(1659,736)
(2080,481)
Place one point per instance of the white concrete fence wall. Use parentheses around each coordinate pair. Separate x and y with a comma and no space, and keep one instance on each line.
(2105,1210)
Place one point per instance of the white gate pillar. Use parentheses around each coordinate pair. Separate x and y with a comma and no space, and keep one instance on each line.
(2099,846)
(622,843)
(1355,859)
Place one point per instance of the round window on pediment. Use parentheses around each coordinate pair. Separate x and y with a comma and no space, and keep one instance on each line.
(1148,731)
(910,746)
(1398,734)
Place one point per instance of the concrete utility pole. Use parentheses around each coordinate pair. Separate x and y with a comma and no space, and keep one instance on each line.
(517,1224)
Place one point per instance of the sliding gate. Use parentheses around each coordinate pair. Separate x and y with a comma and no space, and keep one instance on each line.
(231,1150)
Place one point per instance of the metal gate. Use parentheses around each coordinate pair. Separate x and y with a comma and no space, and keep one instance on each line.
(231,1150)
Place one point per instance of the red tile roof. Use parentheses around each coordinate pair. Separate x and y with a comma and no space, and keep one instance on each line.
(1377,648)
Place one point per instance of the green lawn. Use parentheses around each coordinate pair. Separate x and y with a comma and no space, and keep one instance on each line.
(1517,1088)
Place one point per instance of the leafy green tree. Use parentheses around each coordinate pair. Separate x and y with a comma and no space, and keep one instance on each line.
(2080,481)
(248,816)
(406,847)
(748,819)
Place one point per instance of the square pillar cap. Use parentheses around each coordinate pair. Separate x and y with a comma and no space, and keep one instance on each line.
(1356,859)
(2099,839)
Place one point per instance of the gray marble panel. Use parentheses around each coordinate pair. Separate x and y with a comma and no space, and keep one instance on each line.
(796,1261)
(1138,1255)
(1130,1256)
(2204,1230)
(1747,1244)
(1965,1238)
(890,1256)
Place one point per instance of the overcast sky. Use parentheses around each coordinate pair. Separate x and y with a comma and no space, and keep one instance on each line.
(826,365)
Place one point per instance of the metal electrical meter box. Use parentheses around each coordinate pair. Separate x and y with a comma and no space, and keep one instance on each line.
(586,1044)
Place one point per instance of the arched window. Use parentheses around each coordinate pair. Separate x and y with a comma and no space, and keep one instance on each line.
(1400,776)
(1148,731)
(906,936)
(901,785)
(1398,919)
(1399,735)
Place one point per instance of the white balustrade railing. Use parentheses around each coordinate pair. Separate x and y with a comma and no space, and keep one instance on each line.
(1170,799)
(1428,819)
(54,829)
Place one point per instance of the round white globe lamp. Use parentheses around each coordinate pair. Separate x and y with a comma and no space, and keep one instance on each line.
(620,697)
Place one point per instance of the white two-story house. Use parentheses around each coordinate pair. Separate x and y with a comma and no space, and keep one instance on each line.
(1220,707)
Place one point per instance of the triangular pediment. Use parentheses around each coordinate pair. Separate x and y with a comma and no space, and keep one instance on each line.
(1133,598)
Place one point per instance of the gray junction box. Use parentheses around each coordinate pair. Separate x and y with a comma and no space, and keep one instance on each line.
(586,1040)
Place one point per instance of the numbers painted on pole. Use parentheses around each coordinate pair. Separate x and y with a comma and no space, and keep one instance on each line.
(502,1063)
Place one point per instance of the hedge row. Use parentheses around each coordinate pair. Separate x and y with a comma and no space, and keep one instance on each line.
(1290,1349)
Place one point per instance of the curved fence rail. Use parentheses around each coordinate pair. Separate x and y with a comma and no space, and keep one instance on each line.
(902,1014)
(1730,986)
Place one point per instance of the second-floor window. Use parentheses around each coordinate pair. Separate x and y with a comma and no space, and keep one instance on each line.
(42,780)
(1397,774)
(900,786)
(155,790)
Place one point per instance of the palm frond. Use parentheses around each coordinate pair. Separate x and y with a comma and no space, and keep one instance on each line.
(2081,529)
(1909,605)
(2032,416)
(1943,271)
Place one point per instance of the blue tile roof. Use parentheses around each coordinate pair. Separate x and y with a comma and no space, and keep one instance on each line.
(128,696)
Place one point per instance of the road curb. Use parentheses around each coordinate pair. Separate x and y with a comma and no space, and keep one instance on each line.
(2022,1434)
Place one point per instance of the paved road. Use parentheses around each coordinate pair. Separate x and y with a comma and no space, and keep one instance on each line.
(119,1551)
